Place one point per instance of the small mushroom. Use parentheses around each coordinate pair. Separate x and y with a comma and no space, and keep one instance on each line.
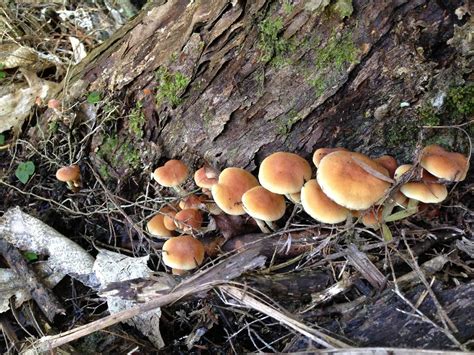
(183,253)
(427,190)
(172,174)
(188,219)
(70,175)
(320,153)
(284,173)
(389,163)
(443,164)
(263,206)
(319,206)
(232,184)
(156,227)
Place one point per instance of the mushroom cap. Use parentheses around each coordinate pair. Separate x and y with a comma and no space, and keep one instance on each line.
(227,193)
(188,219)
(402,169)
(183,252)
(173,173)
(168,220)
(156,226)
(443,164)
(205,177)
(344,181)
(320,153)
(389,163)
(284,173)
(262,204)
(373,217)
(425,192)
(68,173)
(319,206)
(192,201)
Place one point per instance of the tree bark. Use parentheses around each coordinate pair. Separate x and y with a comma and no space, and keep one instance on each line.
(324,80)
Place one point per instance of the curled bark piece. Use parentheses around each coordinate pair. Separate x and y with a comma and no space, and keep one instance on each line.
(65,257)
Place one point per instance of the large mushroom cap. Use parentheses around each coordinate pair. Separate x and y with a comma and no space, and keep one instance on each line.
(227,193)
(319,206)
(183,252)
(344,178)
(443,164)
(262,204)
(68,173)
(284,173)
(173,173)
(157,228)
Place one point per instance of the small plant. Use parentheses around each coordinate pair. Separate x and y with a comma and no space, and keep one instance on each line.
(24,171)
(3,74)
(30,256)
(119,153)
(93,97)
(269,41)
(287,6)
(171,85)
(2,139)
(136,120)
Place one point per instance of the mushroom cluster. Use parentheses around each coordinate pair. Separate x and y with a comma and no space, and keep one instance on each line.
(346,185)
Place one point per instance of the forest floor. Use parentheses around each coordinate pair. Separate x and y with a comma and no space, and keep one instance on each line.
(345,281)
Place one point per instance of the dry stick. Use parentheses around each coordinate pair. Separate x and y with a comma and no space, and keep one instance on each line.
(203,281)
(315,335)
(447,322)
(43,297)
(117,206)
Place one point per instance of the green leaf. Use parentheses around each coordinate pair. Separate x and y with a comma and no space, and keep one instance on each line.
(3,74)
(24,171)
(93,97)
(2,139)
(387,233)
(30,256)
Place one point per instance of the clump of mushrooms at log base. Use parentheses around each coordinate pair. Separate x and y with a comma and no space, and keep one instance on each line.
(348,187)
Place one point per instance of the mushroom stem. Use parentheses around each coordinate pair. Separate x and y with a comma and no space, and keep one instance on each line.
(212,208)
(273,227)
(262,225)
(288,196)
(77,183)
(179,190)
(178,272)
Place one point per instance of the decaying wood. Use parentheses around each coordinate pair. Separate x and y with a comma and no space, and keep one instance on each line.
(238,107)
(200,282)
(381,322)
(44,298)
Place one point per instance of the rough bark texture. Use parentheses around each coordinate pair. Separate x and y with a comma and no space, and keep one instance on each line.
(381,323)
(320,80)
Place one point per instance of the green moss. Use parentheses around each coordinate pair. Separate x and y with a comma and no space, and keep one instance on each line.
(104,172)
(461,100)
(136,120)
(343,8)
(119,154)
(402,133)
(270,42)
(332,59)
(288,123)
(428,116)
(287,6)
(170,87)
